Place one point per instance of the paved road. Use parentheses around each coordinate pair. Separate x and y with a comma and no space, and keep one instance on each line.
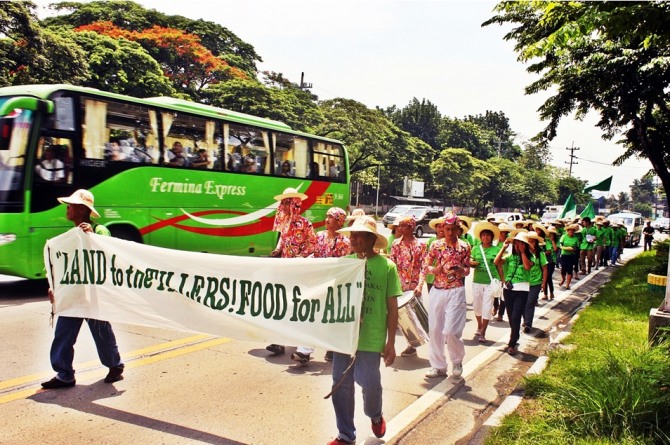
(189,388)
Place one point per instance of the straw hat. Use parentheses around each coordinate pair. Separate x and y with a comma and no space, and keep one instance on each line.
(434,222)
(515,232)
(503,227)
(521,236)
(366,224)
(574,227)
(481,226)
(535,236)
(81,197)
(290,192)
(552,229)
(467,221)
(541,227)
(356,213)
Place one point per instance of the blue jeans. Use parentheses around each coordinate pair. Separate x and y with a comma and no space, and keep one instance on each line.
(516,304)
(62,348)
(614,254)
(529,312)
(365,372)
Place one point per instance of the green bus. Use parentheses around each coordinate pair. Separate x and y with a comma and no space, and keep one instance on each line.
(164,171)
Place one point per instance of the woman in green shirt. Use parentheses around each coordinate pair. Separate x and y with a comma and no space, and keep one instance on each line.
(569,243)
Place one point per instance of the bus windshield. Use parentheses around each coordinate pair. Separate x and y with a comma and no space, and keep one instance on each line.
(13,162)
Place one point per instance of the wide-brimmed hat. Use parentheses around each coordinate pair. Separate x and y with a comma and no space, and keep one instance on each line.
(599,218)
(434,222)
(81,197)
(541,227)
(552,229)
(490,217)
(290,192)
(515,232)
(466,220)
(522,236)
(574,227)
(366,224)
(503,227)
(356,213)
(535,236)
(485,225)
(556,222)
(522,223)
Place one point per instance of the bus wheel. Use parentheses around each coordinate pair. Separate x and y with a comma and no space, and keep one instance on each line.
(125,232)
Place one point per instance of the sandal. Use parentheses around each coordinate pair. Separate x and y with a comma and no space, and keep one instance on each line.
(482,339)
(511,350)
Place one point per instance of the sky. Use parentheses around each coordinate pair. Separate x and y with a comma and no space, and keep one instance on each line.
(387,52)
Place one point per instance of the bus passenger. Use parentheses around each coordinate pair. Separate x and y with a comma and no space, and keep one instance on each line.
(201,160)
(249,165)
(80,210)
(176,155)
(49,168)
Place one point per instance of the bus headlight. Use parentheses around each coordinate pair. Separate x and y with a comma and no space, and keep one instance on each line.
(6,238)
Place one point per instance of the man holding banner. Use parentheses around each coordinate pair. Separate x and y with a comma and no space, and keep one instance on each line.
(379,320)
(80,210)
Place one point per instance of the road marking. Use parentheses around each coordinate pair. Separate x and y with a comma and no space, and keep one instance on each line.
(134,359)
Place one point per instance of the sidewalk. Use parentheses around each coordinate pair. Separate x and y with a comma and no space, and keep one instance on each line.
(464,410)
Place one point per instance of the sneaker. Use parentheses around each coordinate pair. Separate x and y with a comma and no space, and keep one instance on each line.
(339,441)
(408,352)
(457,369)
(434,372)
(379,427)
(55,383)
(329,356)
(114,374)
(526,329)
(275,349)
(300,357)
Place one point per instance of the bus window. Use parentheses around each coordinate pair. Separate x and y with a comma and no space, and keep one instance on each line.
(190,141)
(116,131)
(291,155)
(247,149)
(329,159)
(54,161)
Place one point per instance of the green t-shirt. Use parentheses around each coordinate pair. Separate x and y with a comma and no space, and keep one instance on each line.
(430,278)
(535,272)
(607,236)
(616,237)
(381,282)
(585,245)
(481,276)
(100,229)
(569,241)
(468,239)
(600,236)
(514,270)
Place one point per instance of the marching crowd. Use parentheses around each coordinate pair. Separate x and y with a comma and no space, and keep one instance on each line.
(512,263)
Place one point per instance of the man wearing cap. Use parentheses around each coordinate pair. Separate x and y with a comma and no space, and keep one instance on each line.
(379,321)
(80,210)
(407,253)
(296,240)
(449,260)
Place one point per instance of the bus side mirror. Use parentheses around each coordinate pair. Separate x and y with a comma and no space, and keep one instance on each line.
(6,126)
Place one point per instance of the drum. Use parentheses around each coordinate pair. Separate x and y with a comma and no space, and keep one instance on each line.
(412,319)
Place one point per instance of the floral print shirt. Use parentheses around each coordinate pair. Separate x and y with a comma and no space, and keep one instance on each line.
(444,257)
(331,247)
(297,238)
(409,260)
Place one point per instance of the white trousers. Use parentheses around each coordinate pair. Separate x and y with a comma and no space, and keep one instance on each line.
(446,320)
(482,300)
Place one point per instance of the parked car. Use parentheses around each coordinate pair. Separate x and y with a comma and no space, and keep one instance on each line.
(633,223)
(508,217)
(423,217)
(661,224)
(397,211)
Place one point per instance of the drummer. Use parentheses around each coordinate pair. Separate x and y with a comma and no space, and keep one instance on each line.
(408,254)
(447,307)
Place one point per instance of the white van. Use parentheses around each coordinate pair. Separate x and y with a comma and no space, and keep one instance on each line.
(633,222)
(551,213)
(508,217)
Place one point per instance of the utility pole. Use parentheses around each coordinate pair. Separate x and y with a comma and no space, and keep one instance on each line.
(572,156)
(303,85)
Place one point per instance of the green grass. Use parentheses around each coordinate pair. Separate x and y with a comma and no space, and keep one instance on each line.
(611,388)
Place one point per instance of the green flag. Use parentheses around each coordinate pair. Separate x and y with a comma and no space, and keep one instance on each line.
(569,208)
(588,211)
(603,186)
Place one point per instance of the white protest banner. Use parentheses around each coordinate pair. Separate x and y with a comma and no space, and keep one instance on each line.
(291,301)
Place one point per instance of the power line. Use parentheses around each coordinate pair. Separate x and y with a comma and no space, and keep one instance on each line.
(572,157)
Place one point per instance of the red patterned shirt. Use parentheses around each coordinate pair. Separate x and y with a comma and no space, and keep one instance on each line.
(445,257)
(331,247)
(409,260)
(297,238)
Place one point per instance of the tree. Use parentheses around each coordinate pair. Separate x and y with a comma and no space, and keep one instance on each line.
(121,66)
(536,154)
(420,119)
(30,54)
(460,176)
(498,123)
(467,134)
(642,191)
(623,200)
(611,57)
